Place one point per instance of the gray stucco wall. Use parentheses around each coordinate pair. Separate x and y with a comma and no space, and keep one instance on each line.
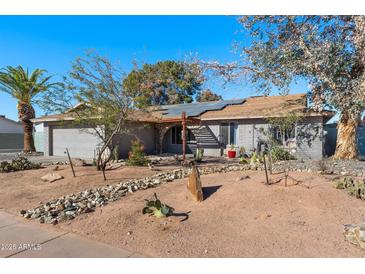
(309,134)
(11,135)
(9,126)
(145,133)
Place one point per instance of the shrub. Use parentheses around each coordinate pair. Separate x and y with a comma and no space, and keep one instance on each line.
(243,160)
(137,157)
(255,158)
(20,163)
(157,209)
(280,154)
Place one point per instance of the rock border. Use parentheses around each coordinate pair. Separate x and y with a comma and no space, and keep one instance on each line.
(69,206)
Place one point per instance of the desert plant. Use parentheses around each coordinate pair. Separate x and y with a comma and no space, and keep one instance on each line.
(20,163)
(116,153)
(198,155)
(242,151)
(137,157)
(352,187)
(344,183)
(255,158)
(280,154)
(322,165)
(243,160)
(157,208)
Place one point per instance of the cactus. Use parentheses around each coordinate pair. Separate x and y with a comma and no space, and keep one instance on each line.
(157,209)
(20,163)
(198,155)
(353,188)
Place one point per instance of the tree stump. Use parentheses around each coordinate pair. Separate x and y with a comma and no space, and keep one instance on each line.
(195,185)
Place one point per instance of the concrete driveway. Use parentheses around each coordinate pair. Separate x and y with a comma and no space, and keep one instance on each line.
(22,239)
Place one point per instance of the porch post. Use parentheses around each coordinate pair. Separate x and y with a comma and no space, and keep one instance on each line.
(183,118)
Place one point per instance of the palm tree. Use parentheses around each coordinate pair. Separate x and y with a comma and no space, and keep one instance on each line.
(24,87)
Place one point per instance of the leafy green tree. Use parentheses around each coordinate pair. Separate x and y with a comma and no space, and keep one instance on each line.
(25,87)
(326,51)
(166,82)
(207,96)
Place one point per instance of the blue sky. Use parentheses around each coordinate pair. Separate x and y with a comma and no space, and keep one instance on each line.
(53,42)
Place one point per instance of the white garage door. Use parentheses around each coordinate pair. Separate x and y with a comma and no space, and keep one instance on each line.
(80,142)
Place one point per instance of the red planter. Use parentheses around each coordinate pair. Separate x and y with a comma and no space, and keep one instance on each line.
(231,154)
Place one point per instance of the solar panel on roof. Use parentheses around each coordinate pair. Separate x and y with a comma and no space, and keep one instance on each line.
(196,109)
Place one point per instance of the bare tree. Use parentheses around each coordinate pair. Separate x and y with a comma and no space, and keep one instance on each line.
(95,85)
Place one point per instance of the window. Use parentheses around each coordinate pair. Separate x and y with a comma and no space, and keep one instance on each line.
(176,135)
(288,134)
(228,133)
(232,133)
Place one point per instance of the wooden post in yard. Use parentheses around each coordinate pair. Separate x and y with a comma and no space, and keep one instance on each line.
(69,159)
(270,162)
(267,177)
(183,118)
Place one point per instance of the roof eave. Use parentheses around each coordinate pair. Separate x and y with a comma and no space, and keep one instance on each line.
(313,114)
(45,119)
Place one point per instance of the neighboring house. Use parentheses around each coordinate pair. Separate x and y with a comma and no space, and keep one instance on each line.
(211,126)
(11,135)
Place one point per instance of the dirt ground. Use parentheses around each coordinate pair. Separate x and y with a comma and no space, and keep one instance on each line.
(238,218)
(24,189)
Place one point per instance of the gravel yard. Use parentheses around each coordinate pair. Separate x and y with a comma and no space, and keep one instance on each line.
(238,218)
(24,189)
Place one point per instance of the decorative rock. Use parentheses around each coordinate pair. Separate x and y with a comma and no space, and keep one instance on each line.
(195,185)
(355,234)
(51,177)
(78,162)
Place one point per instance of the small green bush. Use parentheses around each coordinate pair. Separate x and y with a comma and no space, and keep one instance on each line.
(20,163)
(243,160)
(256,158)
(137,157)
(280,154)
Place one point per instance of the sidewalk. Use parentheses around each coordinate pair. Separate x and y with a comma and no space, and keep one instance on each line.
(19,239)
